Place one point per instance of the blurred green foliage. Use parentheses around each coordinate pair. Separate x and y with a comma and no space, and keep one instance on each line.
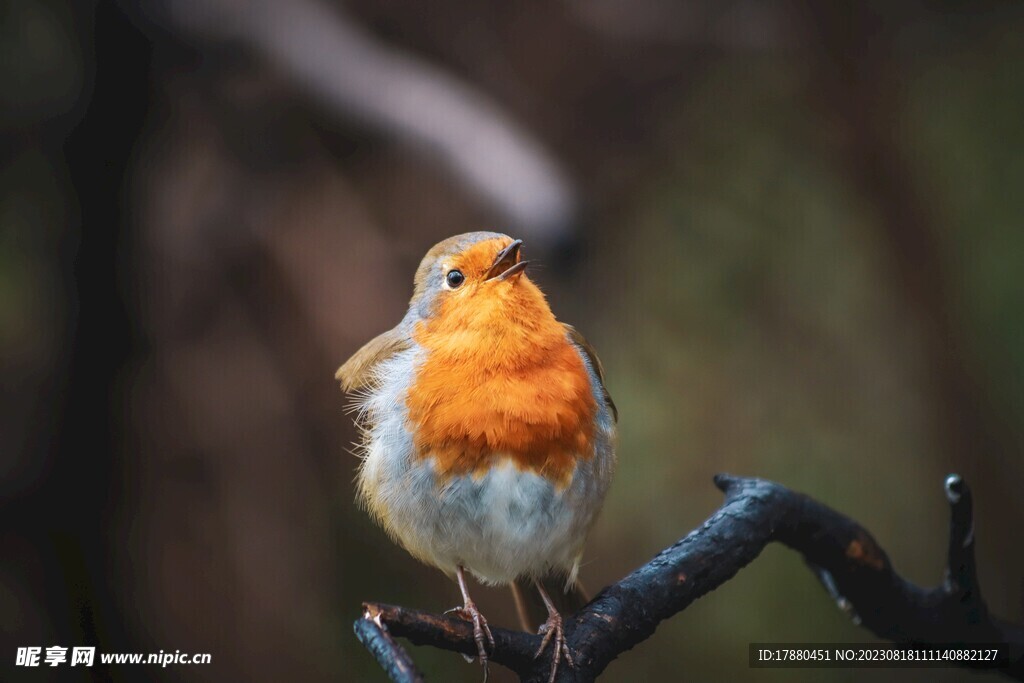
(755,331)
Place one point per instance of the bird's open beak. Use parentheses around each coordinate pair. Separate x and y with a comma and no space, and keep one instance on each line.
(506,263)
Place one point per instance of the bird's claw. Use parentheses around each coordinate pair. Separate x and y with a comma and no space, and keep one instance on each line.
(481,630)
(553,632)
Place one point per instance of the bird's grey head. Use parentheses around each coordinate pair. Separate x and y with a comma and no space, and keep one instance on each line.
(464,260)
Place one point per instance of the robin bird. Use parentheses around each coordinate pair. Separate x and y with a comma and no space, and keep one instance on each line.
(488,437)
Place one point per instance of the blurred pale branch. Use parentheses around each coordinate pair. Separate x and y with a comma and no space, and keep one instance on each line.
(756,512)
(358,77)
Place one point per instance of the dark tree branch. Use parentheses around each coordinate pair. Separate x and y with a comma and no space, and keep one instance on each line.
(756,512)
(392,657)
(513,649)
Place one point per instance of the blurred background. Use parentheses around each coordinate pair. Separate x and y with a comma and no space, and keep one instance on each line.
(792,231)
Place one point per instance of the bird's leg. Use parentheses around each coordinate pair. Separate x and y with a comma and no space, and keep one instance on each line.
(553,632)
(469,612)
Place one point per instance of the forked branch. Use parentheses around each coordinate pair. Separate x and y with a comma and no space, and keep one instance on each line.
(844,556)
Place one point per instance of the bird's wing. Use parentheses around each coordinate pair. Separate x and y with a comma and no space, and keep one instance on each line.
(595,362)
(357,372)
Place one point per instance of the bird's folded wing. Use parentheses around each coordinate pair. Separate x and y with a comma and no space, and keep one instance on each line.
(358,371)
(580,341)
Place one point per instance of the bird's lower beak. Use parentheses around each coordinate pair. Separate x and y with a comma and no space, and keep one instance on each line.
(506,263)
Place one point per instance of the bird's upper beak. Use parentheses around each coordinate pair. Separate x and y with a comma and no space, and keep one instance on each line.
(506,263)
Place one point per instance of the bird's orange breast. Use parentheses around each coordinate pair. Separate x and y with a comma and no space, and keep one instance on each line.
(500,378)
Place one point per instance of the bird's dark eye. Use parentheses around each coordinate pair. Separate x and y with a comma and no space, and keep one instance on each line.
(454,278)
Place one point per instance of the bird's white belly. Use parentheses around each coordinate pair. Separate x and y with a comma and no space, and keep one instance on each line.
(507,523)
(503,525)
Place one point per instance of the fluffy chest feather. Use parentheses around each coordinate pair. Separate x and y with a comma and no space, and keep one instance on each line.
(503,381)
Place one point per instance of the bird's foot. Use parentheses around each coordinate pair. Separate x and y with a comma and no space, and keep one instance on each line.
(554,633)
(481,631)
